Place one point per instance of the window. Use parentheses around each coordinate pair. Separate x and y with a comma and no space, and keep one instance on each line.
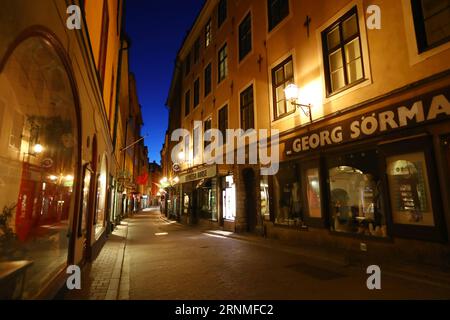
(187,64)
(197,51)
(409,189)
(229,199)
(187,103)
(196,144)
(343,54)
(223,122)
(288,197)
(103,42)
(208,80)
(356,195)
(222,14)
(223,63)
(247,117)
(432,22)
(278,10)
(312,177)
(208,34)
(207,136)
(282,76)
(196,92)
(245,37)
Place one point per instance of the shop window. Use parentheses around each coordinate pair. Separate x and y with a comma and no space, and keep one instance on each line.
(99,220)
(432,23)
(409,190)
(207,199)
(288,195)
(342,53)
(356,195)
(229,198)
(37,173)
(313,193)
(265,198)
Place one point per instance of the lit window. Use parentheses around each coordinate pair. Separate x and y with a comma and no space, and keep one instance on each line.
(223,63)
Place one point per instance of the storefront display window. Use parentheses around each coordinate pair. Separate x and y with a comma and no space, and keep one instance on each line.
(356,196)
(229,199)
(99,220)
(38,139)
(265,200)
(409,190)
(313,193)
(207,195)
(288,196)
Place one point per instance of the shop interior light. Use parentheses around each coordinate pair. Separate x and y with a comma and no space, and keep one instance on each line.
(38,148)
(181,156)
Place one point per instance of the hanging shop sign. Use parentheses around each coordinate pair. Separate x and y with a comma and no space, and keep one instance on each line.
(421,110)
(205,173)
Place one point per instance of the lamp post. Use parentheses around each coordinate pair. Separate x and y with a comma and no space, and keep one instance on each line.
(292,93)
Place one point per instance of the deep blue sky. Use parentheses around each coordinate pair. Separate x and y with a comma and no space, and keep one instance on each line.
(157,29)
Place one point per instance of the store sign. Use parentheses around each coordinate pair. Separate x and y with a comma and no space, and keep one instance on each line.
(426,109)
(206,173)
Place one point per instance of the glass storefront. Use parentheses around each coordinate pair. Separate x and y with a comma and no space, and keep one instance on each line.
(100,214)
(38,136)
(207,199)
(265,198)
(229,199)
(356,195)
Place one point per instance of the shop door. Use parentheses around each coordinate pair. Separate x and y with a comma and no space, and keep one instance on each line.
(250,199)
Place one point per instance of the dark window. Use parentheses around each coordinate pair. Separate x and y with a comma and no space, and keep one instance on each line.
(223,122)
(247,117)
(187,64)
(197,50)
(342,53)
(278,10)
(245,37)
(196,92)
(282,76)
(432,22)
(208,126)
(208,34)
(103,42)
(223,63)
(222,14)
(187,103)
(208,78)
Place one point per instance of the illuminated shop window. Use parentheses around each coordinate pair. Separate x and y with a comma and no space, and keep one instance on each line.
(38,161)
(229,199)
(409,190)
(100,215)
(356,195)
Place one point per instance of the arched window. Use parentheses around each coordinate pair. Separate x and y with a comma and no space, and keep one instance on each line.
(38,159)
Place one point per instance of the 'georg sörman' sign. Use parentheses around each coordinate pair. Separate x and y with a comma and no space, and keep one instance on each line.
(420,110)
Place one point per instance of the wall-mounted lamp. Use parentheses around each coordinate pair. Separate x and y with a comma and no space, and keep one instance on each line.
(292,93)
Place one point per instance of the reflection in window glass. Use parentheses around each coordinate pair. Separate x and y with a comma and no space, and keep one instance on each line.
(408,185)
(38,161)
(356,202)
(313,193)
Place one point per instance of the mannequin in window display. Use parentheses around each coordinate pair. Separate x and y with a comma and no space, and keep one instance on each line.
(296,209)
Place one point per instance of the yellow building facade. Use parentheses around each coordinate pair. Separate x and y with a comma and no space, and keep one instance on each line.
(370,172)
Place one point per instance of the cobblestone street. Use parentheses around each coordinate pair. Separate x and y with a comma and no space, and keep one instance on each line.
(163,260)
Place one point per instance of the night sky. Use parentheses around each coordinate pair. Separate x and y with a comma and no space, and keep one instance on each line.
(157,29)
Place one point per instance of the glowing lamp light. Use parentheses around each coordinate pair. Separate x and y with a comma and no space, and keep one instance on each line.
(292,92)
(181,156)
(38,149)
(53,178)
(176,180)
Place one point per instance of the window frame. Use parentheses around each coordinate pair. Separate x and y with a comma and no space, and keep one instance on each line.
(248,37)
(274,89)
(187,103)
(208,80)
(222,13)
(326,52)
(271,24)
(103,49)
(420,29)
(223,61)
(197,46)
(315,222)
(196,93)
(223,130)
(247,106)
(208,33)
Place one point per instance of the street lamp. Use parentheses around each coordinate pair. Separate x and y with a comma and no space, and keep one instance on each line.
(292,93)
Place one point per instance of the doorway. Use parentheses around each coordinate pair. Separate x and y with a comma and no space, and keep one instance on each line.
(250,199)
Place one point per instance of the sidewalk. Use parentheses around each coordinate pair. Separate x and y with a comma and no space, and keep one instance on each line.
(419,273)
(105,278)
